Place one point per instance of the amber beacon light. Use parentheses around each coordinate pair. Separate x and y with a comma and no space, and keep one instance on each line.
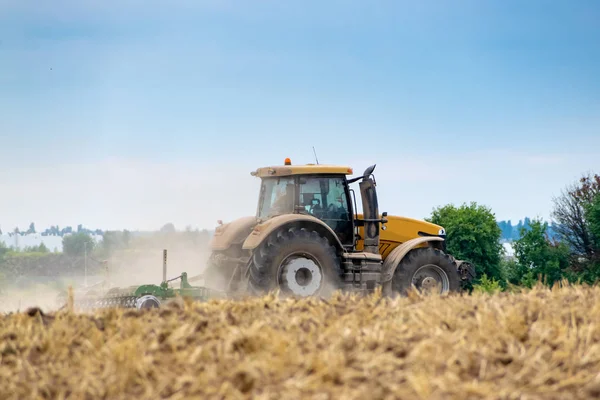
(288,161)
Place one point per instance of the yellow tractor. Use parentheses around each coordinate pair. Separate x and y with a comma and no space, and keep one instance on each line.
(307,239)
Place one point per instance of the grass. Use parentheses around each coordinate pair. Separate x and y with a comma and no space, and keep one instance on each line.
(535,344)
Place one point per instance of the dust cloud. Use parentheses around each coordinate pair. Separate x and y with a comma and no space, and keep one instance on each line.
(139,264)
(43,296)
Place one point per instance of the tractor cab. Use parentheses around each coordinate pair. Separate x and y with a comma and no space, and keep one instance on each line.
(322,191)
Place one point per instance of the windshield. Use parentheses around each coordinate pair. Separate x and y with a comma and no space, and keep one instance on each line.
(276,197)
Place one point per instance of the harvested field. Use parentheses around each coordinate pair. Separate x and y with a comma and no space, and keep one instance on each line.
(536,344)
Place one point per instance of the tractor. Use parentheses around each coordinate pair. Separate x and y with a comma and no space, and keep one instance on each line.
(308,239)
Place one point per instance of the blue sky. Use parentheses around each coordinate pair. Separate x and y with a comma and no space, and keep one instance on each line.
(114,113)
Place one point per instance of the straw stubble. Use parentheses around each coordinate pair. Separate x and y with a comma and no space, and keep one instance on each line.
(535,344)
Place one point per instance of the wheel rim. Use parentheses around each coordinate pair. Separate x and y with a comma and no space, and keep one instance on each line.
(147,301)
(427,277)
(300,274)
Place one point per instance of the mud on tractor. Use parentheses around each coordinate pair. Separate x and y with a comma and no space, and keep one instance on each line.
(307,239)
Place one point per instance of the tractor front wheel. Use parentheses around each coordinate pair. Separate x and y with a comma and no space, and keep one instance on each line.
(298,262)
(427,269)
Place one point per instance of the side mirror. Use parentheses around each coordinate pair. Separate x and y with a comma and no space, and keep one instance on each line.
(369,171)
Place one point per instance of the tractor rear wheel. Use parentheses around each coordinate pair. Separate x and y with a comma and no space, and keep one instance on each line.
(298,262)
(426,268)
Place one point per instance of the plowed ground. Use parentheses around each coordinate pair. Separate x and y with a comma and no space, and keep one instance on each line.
(537,344)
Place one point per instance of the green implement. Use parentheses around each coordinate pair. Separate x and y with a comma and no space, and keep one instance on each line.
(143,296)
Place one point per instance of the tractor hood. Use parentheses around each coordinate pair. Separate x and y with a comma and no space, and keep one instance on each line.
(400,230)
(234,232)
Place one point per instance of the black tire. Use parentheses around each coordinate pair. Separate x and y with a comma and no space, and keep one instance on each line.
(297,262)
(422,262)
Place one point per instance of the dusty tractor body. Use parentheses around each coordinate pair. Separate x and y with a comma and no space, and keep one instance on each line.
(307,238)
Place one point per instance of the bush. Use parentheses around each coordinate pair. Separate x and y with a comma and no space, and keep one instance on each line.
(473,234)
(487,285)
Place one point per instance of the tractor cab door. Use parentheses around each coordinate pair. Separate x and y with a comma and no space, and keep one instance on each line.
(325,197)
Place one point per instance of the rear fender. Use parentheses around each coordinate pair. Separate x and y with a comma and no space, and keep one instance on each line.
(264,230)
(234,232)
(395,257)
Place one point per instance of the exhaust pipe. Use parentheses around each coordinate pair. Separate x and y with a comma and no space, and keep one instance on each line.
(370,216)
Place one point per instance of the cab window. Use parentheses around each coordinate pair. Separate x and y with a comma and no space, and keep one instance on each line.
(276,197)
(325,198)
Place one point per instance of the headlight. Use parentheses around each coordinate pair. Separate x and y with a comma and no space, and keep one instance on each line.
(442,231)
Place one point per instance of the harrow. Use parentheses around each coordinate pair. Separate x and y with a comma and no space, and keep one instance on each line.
(140,297)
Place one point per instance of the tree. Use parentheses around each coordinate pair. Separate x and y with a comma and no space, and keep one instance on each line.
(126,238)
(41,248)
(114,240)
(3,249)
(168,228)
(31,229)
(570,209)
(473,235)
(538,256)
(593,218)
(76,244)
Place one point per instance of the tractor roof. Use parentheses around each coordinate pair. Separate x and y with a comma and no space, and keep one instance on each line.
(307,169)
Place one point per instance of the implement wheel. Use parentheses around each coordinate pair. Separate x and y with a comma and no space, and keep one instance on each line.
(298,262)
(427,269)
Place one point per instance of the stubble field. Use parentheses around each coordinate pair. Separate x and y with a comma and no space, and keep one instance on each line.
(532,345)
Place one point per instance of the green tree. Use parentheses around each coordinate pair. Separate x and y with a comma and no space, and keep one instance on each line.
(593,218)
(570,211)
(3,249)
(126,238)
(109,242)
(474,235)
(41,248)
(76,244)
(537,256)
(168,228)
(113,241)
(592,271)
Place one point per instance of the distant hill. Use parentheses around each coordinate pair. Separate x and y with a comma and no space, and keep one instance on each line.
(512,232)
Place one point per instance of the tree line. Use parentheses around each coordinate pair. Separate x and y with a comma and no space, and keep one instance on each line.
(569,250)
(81,250)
